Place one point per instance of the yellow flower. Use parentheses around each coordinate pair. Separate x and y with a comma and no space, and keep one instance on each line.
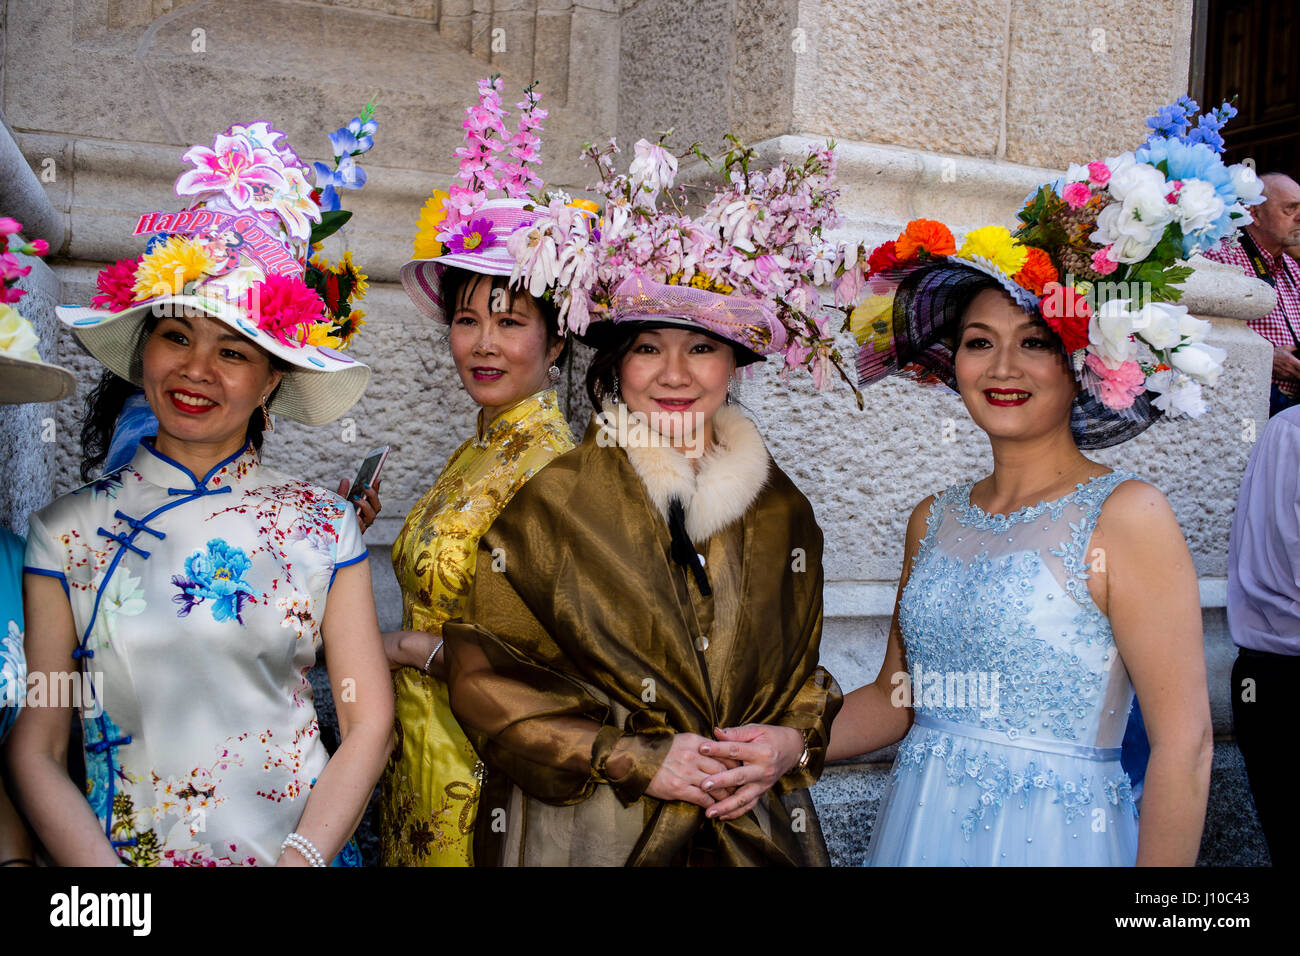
(17,337)
(320,333)
(873,321)
(347,267)
(167,269)
(429,225)
(348,328)
(995,244)
(586,204)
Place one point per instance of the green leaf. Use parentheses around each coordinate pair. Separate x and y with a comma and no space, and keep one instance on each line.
(329,224)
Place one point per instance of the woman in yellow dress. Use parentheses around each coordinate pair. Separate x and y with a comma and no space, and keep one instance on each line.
(507,354)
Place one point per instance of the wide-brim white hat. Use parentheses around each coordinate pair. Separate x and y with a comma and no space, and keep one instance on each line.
(422,278)
(24,380)
(321,384)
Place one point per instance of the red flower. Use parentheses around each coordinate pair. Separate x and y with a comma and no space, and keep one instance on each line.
(883,258)
(116,285)
(285,308)
(1067,312)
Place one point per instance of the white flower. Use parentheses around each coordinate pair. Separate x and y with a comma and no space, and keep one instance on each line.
(1076,174)
(1198,206)
(122,596)
(1191,328)
(17,337)
(653,169)
(1246,185)
(1134,226)
(1110,331)
(1178,394)
(536,256)
(1160,324)
(13,668)
(1202,362)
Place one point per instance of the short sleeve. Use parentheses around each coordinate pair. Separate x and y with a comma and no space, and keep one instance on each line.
(351,548)
(44,555)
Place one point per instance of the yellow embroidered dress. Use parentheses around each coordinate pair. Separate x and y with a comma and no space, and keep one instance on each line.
(429,789)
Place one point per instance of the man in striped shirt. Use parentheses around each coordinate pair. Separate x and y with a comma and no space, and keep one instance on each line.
(1260,253)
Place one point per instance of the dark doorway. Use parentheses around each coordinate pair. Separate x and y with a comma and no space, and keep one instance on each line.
(1251,48)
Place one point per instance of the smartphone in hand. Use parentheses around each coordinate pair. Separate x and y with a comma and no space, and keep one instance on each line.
(368,473)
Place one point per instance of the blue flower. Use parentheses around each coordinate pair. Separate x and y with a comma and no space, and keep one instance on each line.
(346,175)
(355,138)
(216,575)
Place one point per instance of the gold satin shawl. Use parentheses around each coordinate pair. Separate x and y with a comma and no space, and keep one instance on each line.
(579,655)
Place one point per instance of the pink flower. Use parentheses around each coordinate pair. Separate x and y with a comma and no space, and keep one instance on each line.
(796,354)
(848,287)
(473,236)
(1102,263)
(10,268)
(1117,387)
(235,166)
(1098,173)
(1076,195)
(285,308)
(10,226)
(116,285)
(1175,188)
(37,247)
(10,296)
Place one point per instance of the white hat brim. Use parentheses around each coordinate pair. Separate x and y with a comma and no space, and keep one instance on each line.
(23,381)
(320,386)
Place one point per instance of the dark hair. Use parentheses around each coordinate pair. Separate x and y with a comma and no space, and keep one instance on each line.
(459,285)
(603,370)
(105,401)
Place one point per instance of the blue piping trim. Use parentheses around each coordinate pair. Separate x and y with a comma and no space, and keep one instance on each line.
(359,558)
(27,569)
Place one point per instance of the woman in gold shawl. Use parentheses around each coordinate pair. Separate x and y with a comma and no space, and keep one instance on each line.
(637,663)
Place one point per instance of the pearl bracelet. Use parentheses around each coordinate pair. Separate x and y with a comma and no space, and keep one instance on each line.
(305,847)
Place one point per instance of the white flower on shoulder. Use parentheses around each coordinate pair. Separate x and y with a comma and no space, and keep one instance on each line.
(13,668)
(122,596)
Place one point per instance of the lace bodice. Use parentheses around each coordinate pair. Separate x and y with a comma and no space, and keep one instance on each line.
(999,627)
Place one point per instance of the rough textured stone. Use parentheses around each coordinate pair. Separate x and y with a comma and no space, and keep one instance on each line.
(925,75)
(693,101)
(1056,112)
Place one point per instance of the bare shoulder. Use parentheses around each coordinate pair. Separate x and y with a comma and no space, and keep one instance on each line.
(1131,503)
(1138,518)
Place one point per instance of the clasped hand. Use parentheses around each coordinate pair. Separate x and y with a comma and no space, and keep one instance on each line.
(729,774)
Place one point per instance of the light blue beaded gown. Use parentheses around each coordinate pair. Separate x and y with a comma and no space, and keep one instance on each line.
(1019,694)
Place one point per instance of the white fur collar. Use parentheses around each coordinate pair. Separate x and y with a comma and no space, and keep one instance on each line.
(731,473)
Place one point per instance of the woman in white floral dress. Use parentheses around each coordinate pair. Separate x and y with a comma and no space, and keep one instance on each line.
(179,602)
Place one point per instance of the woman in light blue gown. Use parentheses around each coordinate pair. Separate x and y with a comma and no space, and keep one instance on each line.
(1033,601)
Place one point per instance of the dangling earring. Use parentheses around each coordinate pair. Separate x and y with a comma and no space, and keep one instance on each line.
(268,424)
(553,373)
(618,394)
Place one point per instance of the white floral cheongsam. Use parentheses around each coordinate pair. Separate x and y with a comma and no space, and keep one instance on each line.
(198,605)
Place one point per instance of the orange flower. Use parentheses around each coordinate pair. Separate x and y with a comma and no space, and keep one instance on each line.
(1036,272)
(925,235)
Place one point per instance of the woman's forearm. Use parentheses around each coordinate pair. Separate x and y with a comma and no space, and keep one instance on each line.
(338,801)
(58,812)
(872,717)
(1174,796)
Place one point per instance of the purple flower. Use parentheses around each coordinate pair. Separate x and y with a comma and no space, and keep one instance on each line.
(473,236)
